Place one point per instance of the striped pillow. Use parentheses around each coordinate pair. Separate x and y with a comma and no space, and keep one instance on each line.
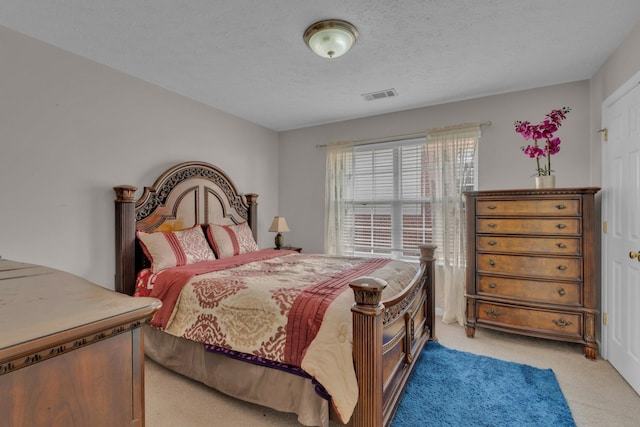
(230,240)
(168,249)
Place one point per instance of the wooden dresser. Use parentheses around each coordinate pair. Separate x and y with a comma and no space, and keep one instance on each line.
(531,263)
(70,351)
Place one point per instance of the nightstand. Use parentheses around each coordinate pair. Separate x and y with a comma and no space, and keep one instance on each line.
(290,248)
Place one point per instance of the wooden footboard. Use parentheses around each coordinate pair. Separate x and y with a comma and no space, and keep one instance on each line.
(388,337)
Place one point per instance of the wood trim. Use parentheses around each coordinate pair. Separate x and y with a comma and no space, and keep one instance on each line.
(382,368)
(125,239)
(252,219)
(30,353)
(137,372)
(534,192)
(522,312)
(68,354)
(413,310)
(130,214)
(367,336)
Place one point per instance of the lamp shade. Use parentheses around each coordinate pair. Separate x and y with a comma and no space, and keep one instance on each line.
(331,38)
(279,225)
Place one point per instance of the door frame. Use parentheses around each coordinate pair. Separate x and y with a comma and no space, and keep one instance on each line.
(604,288)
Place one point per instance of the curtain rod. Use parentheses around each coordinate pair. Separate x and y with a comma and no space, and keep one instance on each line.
(393,138)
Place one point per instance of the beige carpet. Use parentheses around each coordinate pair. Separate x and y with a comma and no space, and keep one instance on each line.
(597,394)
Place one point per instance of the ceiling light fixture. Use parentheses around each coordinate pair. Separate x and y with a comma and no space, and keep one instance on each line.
(331,38)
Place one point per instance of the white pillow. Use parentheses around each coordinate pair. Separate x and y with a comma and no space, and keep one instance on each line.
(230,240)
(168,249)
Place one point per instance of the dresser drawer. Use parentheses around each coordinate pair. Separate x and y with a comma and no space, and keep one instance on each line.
(548,245)
(563,293)
(529,207)
(559,268)
(535,226)
(531,320)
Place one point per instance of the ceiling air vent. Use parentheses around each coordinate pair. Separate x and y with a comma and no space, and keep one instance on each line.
(387,93)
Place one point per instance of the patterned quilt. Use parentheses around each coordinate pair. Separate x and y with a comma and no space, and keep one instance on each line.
(278,305)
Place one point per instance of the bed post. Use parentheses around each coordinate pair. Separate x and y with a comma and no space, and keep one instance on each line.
(125,239)
(367,334)
(427,261)
(370,317)
(252,214)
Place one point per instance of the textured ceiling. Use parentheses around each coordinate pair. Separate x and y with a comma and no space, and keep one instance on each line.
(247,57)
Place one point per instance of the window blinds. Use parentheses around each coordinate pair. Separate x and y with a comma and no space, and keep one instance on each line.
(390,199)
(387,202)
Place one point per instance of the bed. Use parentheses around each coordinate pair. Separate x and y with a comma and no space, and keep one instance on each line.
(389,311)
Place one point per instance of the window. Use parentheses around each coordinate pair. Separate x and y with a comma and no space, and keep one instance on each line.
(386,212)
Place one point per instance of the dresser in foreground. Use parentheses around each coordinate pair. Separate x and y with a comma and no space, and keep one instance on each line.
(531,263)
(71,352)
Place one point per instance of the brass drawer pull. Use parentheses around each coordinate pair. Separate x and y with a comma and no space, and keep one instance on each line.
(561,226)
(562,323)
(562,292)
(492,243)
(561,206)
(562,267)
(491,225)
(492,312)
(492,263)
(491,207)
(492,285)
(561,245)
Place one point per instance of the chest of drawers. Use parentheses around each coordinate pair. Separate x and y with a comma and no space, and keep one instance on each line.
(531,263)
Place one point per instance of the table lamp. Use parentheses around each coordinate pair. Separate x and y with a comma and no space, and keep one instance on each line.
(280,226)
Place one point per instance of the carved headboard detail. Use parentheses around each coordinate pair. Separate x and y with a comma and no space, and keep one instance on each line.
(187,194)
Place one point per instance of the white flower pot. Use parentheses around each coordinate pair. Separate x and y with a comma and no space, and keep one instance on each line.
(548,181)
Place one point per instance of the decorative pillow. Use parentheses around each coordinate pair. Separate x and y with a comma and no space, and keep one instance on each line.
(230,240)
(168,249)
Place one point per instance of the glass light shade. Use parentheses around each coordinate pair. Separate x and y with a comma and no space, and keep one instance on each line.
(331,38)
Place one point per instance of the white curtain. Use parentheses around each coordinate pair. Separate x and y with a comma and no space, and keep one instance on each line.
(339,187)
(450,156)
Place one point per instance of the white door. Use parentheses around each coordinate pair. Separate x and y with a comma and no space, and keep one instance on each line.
(621,241)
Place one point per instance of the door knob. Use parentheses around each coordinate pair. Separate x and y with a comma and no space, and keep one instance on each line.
(634,255)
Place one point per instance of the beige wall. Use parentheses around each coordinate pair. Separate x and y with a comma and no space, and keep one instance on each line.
(501,161)
(501,164)
(71,129)
(622,65)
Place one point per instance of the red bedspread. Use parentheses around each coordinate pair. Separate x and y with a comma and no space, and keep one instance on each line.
(167,284)
(279,305)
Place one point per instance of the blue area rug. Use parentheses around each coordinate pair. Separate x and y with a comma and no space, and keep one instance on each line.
(455,388)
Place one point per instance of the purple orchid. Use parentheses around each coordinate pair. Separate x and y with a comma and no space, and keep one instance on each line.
(542,131)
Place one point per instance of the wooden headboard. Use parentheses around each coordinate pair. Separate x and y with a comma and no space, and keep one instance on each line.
(186,194)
